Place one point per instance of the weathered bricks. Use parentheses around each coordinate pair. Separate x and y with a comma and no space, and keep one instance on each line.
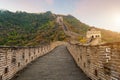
(14,59)
(100,62)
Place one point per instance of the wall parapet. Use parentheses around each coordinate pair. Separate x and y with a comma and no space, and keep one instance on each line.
(100,62)
(15,58)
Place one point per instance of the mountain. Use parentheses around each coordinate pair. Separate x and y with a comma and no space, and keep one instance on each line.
(31,29)
(81,28)
(75,25)
(21,28)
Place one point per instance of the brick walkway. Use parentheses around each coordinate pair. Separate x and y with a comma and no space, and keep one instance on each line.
(57,65)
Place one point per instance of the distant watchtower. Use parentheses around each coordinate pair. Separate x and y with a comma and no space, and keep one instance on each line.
(93,33)
(93,36)
(59,19)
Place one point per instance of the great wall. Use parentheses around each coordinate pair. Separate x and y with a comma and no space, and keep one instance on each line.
(14,59)
(98,62)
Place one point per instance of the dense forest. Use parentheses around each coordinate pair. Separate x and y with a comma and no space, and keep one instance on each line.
(31,29)
(21,28)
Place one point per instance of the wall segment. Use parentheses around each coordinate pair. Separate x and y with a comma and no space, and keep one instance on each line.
(100,62)
(14,59)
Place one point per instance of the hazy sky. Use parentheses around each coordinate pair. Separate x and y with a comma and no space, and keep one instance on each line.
(99,13)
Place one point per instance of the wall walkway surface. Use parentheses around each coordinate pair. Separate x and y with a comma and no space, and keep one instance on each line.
(56,65)
(14,59)
(101,62)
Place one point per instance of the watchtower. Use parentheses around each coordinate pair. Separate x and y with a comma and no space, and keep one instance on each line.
(93,36)
(59,19)
(93,33)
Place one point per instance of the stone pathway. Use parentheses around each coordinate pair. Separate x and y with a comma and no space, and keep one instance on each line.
(57,65)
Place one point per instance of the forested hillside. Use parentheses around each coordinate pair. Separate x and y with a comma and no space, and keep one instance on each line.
(31,29)
(81,28)
(21,28)
(75,25)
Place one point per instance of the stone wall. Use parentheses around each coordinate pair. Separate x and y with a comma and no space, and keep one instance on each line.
(98,62)
(14,59)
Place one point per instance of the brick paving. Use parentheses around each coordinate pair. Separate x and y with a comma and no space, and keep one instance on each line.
(57,65)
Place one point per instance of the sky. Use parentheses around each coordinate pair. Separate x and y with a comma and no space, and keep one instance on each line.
(99,13)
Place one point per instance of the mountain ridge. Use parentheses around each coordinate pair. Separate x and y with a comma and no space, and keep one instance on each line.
(31,29)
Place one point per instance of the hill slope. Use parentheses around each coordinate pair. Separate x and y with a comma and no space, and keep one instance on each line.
(31,29)
(75,25)
(81,28)
(21,28)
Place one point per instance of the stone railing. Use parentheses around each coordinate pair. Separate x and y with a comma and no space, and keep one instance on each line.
(14,59)
(100,62)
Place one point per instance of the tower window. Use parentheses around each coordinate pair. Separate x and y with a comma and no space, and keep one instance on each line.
(97,35)
(92,36)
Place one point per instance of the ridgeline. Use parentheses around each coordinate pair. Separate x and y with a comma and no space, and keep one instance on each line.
(32,29)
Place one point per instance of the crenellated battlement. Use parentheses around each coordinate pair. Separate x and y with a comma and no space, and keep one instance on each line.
(100,62)
(14,59)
